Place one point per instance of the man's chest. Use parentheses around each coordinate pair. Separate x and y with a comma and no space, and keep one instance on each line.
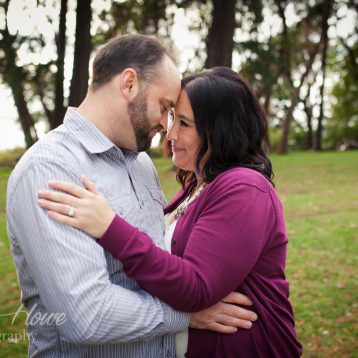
(134,194)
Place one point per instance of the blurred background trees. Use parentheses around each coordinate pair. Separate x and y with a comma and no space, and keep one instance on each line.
(294,53)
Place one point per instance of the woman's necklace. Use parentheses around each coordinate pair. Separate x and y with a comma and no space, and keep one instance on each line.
(189,199)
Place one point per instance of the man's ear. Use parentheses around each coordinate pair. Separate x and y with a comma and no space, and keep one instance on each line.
(129,83)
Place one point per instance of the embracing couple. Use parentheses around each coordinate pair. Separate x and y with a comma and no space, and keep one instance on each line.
(93,239)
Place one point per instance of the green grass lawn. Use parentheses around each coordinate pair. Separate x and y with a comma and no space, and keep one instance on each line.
(320,196)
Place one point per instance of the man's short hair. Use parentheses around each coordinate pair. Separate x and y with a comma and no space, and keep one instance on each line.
(140,52)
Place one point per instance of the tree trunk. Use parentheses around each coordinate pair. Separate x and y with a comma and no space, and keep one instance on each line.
(308,108)
(83,47)
(220,41)
(25,118)
(308,111)
(327,4)
(352,58)
(59,111)
(267,109)
(284,67)
(283,142)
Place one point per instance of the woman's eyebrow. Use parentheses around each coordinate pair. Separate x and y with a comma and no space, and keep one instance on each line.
(181,116)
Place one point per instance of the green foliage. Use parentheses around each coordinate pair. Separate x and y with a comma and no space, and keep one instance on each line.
(9,298)
(276,61)
(271,62)
(9,158)
(135,16)
(343,123)
(262,68)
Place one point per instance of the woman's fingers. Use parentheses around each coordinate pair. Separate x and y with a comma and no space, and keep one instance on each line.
(64,219)
(69,188)
(61,198)
(60,208)
(89,185)
(86,210)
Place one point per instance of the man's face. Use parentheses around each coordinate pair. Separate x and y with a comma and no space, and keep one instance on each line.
(148,110)
(138,115)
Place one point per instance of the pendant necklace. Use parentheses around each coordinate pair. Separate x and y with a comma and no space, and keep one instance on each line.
(188,200)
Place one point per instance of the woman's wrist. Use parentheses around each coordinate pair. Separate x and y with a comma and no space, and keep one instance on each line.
(117,235)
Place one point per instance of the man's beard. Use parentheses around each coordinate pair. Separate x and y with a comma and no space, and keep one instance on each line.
(137,111)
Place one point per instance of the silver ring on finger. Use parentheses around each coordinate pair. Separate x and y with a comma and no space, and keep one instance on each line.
(71,211)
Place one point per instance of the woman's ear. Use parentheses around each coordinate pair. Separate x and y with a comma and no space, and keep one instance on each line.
(129,83)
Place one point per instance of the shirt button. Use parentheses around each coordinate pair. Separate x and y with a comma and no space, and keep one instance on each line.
(173,242)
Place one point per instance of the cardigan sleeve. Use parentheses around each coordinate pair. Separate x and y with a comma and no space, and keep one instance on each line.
(222,249)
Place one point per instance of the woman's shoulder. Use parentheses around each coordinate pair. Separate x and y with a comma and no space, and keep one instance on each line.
(242,176)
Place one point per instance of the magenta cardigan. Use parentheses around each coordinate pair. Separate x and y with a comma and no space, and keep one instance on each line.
(231,238)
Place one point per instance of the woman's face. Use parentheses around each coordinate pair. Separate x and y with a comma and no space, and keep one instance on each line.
(183,135)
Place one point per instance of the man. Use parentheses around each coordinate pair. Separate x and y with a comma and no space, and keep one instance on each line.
(135,83)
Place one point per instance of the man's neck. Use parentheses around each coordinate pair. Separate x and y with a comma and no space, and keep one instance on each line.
(108,120)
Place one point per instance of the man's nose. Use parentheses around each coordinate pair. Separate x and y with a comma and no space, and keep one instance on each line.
(164,123)
(172,133)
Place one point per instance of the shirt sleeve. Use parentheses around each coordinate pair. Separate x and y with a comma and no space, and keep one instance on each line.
(222,249)
(70,272)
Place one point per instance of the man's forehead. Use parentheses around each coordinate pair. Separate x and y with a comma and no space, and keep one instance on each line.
(168,83)
(168,70)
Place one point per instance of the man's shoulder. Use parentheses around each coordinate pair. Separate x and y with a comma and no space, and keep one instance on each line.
(146,169)
(144,159)
(51,150)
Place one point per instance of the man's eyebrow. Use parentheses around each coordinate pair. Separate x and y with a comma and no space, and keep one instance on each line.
(168,102)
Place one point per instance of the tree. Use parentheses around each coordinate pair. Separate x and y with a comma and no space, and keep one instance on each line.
(262,70)
(57,117)
(307,26)
(283,142)
(278,65)
(83,48)
(220,39)
(15,77)
(44,82)
(308,108)
(343,122)
(326,11)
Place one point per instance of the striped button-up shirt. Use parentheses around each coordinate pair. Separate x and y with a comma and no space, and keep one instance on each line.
(99,311)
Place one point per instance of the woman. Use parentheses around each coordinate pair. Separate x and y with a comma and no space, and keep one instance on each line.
(225,227)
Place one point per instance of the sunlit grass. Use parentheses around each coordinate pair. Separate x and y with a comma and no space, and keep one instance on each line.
(320,196)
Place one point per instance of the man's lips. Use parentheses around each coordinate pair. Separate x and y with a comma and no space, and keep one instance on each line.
(155,130)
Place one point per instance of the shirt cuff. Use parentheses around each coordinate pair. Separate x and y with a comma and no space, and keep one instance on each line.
(175,321)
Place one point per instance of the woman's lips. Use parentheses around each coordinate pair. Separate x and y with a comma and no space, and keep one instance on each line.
(176,149)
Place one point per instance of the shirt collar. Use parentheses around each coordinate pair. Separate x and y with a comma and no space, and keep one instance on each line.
(90,136)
